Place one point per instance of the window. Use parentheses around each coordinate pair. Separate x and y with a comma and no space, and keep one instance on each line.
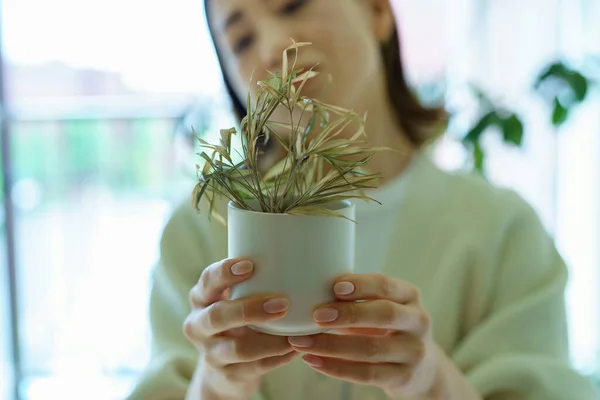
(557,171)
(495,45)
(6,367)
(95,126)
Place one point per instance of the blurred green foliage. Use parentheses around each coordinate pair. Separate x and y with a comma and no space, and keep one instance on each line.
(559,85)
(134,156)
(63,157)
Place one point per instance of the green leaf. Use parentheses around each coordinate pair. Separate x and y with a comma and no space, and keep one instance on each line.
(512,129)
(579,85)
(559,114)
(208,160)
(221,164)
(556,70)
(478,157)
(575,81)
(198,193)
(489,119)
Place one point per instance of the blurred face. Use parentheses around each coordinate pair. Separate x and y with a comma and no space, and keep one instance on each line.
(345,37)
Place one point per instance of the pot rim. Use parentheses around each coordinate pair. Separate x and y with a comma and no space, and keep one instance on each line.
(347,204)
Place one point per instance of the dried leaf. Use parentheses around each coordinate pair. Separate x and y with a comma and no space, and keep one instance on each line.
(226,137)
(279,139)
(278,169)
(305,76)
(284,66)
(283,125)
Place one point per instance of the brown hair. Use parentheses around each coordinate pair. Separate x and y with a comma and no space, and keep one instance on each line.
(420,123)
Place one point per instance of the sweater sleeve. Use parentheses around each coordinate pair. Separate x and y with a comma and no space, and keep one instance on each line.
(183,255)
(519,350)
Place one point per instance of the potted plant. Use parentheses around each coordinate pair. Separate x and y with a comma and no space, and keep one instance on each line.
(294,220)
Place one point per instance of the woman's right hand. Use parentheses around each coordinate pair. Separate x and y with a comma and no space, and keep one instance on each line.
(233,357)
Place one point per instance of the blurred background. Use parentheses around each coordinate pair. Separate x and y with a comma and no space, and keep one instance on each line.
(96,103)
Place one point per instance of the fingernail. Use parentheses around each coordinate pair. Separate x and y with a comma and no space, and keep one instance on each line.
(242,268)
(313,360)
(275,306)
(325,315)
(301,341)
(343,288)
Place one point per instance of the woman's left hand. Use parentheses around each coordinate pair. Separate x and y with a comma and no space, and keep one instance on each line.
(385,339)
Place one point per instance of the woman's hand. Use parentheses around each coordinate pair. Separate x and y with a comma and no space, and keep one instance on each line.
(384,341)
(233,357)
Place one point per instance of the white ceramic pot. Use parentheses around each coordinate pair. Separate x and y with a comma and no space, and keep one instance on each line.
(296,256)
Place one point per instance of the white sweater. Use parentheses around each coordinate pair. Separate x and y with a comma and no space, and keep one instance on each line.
(489,275)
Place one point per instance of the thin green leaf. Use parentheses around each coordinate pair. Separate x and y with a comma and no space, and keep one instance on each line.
(489,119)
(197,194)
(512,130)
(478,157)
(579,85)
(559,114)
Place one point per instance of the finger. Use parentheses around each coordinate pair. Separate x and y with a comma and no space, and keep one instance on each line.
(383,375)
(363,331)
(252,347)
(216,278)
(245,371)
(375,286)
(380,314)
(401,348)
(230,314)
(236,332)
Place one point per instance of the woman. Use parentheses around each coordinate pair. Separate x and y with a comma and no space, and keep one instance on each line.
(462,288)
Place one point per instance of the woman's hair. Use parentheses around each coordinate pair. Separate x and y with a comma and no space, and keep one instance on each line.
(419,123)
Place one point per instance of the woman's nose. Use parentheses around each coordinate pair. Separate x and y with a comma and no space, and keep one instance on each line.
(274,39)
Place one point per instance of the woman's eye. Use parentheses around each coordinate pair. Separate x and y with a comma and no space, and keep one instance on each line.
(242,44)
(293,6)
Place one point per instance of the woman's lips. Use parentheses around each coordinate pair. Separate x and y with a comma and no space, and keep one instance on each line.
(298,84)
